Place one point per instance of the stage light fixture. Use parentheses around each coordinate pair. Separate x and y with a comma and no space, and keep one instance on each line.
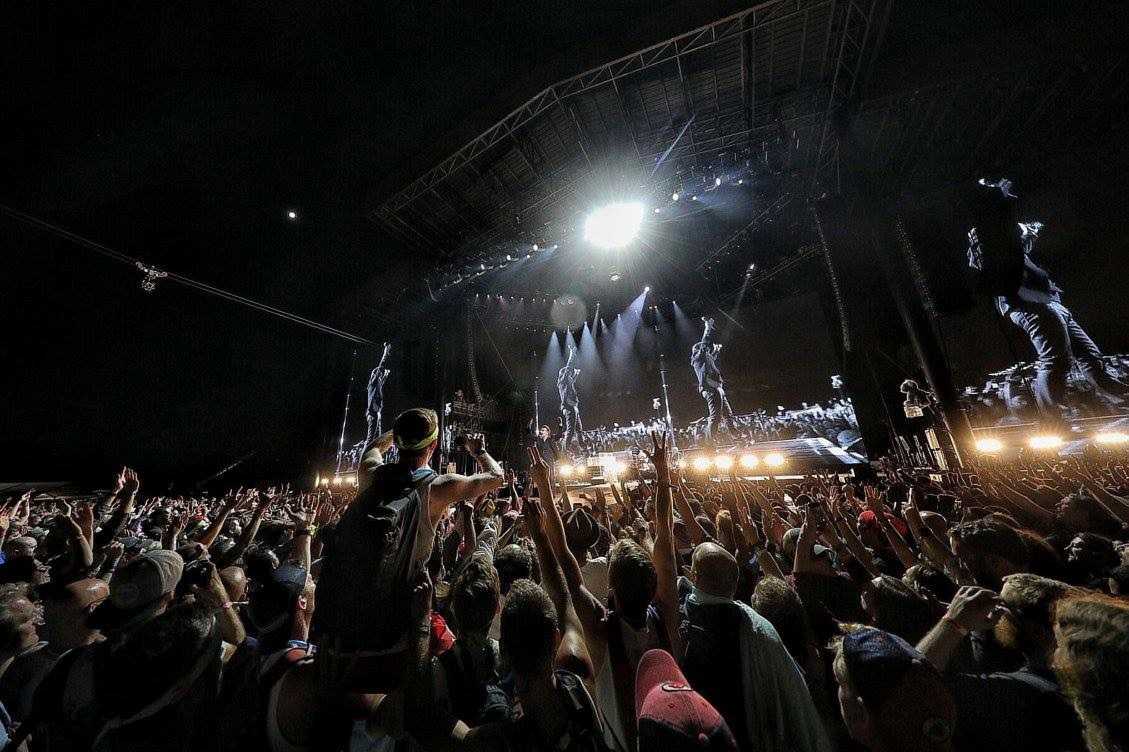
(723,462)
(535,247)
(565,471)
(1111,437)
(614,225)
(774,459)
(749,461)
(717,182)
(989,445)
(647,288)
(658,210)
(740,181)
(1044,441)
(509,257)
(702,464)
(674,197)
(292,215)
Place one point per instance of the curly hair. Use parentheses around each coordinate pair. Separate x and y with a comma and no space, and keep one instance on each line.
(475,594)
(1091,662)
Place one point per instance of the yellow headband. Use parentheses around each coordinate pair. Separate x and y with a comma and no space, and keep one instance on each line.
(419,445)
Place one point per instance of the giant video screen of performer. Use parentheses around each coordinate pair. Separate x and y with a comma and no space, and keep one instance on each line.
(757,377)
(1030,288)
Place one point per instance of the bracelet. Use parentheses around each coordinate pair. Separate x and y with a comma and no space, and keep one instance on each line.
(955,624)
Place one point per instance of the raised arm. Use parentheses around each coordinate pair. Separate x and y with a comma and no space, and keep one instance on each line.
(662,554)
(451,488)
(573,653)
(126,494)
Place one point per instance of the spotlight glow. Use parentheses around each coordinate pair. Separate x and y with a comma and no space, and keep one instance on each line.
(1111,437)
(749,461)
(647,288)
(723,462)
(613,468)
(989,446)
(683,464)
(775,459)
(566,471)
(292,215)
(674,197)
(1044,441)
(614,225)
(717,182)
(702,464)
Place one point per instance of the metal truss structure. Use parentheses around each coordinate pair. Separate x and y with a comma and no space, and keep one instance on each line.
(761,85)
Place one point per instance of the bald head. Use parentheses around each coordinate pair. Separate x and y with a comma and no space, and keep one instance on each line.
(65,610)
(715,570)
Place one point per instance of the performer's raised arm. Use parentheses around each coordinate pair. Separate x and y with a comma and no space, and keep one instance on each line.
(707,335)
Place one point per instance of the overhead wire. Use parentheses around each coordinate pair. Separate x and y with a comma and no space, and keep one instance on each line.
(204,287)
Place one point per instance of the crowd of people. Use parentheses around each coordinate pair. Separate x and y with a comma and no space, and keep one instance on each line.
(979,609)
(835,422)
(1008,397)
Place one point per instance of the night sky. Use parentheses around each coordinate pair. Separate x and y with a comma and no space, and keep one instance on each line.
(183,133)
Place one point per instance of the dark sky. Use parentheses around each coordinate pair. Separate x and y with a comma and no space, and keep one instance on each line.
(181,133)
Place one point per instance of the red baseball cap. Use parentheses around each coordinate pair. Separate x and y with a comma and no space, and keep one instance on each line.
(672,716)
(868,519)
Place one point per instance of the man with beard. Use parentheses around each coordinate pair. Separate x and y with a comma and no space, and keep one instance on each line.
(1020,709)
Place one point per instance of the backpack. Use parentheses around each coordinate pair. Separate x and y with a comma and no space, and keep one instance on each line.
(364,592)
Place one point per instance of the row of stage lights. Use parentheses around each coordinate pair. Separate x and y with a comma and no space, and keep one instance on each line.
(699,463)
(1043,441)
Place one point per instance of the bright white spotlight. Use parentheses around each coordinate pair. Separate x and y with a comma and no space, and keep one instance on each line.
(614,276)
(716,182)
(989,446)
(1044,441)
(535,246)
(701,464)
(613,468)
(775,459)
(565,471)
(292,215)
(723,462)
(614,225)
(749,461)
(674,196)
(647,288)
(1111,437)
(509,257)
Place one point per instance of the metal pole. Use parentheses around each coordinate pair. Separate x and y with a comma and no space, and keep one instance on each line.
(536,410)
(666,399)
(345,417)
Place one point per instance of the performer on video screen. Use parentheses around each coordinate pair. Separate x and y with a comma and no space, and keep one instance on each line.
(376,382)
(999,249)
(703,358)
(570,402)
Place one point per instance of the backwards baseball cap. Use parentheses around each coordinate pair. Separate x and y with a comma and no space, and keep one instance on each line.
(272,602)
(137,589)
(672,716)
(414,429)
(895,681)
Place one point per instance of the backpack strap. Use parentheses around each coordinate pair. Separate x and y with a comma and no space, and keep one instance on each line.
(623,677)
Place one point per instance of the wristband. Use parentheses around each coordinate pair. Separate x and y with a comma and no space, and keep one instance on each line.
(955,624)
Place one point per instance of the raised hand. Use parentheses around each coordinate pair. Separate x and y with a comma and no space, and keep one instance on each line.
(539,469)
(658,455)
